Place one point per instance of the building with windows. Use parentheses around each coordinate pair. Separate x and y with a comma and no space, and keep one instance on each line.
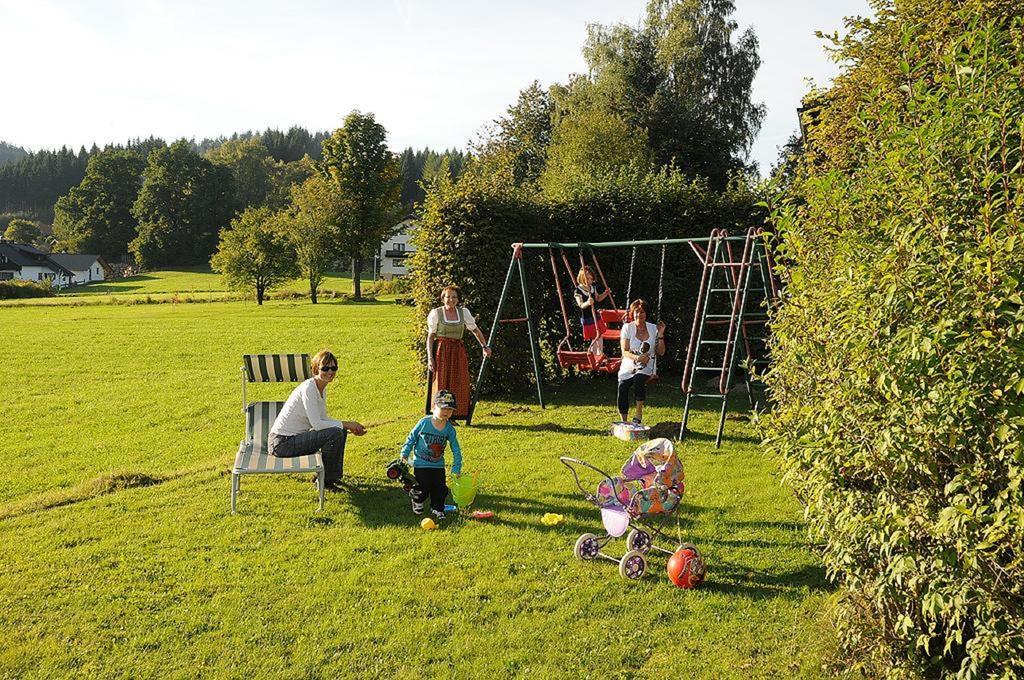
(395,251)
(27,263)
(86,268)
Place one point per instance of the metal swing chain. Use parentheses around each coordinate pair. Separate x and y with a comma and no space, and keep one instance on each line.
(629,286)
(661,278)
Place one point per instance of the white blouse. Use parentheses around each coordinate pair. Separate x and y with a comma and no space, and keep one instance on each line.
(305,410)
(628,368)
(434,319)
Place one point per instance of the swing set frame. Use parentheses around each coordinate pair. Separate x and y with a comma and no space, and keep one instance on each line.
(699,246)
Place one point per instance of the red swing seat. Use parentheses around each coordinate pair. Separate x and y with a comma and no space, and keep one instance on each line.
(587,361)
(615,316)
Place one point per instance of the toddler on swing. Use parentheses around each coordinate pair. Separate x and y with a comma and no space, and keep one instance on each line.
(587,294)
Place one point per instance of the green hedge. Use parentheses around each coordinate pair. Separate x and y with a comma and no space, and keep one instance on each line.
(467,229)
(10,290)
(899,351)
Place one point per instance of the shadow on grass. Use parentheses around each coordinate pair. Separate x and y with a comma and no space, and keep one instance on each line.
(737,580)
(543,427)
(380,504)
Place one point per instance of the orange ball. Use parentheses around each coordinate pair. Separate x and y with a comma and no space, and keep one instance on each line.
(686,567)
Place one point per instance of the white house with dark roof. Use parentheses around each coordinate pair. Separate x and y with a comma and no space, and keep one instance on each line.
(395,251)
(86,268)
(27,263)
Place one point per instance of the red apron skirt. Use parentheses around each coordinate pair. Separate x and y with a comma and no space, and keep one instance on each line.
(451,372)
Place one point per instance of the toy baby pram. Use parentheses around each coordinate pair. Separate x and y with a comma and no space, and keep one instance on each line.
(646,493)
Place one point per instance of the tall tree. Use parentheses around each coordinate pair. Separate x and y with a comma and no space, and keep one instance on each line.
(184,202)
(685,75)
(522,136)
(255,253)
(313,228)
(251,167)
(96,216)
(357,161)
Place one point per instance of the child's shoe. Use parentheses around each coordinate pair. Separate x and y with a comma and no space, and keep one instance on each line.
(637,421)
(438,514)
(417,508)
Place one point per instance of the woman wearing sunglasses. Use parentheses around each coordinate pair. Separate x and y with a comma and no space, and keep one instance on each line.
(302,427)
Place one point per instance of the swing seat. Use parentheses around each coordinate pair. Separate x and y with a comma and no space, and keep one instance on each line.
(588,362)
(616,316)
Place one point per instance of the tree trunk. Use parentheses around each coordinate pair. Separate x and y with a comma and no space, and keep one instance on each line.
(357,270)
(259,294)
(312,290)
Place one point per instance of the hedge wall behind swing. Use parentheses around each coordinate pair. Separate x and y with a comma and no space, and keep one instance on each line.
(465,238)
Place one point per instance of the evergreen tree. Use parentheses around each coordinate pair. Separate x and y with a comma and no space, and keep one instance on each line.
(10,153)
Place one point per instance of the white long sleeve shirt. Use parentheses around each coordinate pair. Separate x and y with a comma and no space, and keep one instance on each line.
(305,410)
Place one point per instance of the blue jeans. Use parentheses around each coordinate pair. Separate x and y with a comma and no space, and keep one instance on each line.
(329,441)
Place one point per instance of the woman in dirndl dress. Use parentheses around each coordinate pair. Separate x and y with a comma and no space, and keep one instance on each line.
(447,361)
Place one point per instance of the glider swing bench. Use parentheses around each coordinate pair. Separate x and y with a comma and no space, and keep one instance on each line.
(253,457)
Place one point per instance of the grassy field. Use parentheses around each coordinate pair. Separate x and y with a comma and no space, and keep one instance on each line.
(119,558)
(197,284)
(195,280)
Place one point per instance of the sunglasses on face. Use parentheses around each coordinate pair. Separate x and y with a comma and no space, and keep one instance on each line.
(324,369)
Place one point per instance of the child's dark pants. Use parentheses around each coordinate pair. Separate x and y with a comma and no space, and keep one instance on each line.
(430,484)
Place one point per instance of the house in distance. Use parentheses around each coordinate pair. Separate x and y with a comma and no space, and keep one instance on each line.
(22,262)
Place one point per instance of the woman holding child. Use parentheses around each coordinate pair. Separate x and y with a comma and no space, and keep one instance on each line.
(447,361)
(642,342)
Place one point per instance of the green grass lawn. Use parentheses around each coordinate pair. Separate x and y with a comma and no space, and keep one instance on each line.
(195,280)
(118,556)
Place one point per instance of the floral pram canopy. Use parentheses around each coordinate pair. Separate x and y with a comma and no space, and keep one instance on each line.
(651,481)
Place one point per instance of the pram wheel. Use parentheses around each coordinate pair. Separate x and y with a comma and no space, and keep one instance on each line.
(586,547)
(638,540)
(632,565)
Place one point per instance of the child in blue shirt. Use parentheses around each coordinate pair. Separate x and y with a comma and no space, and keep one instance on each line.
(427,443)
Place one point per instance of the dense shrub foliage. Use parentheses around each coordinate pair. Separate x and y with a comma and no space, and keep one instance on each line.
(468,227)
(11,289)
(899,350)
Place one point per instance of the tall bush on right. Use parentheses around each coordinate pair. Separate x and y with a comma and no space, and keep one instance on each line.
(899,351)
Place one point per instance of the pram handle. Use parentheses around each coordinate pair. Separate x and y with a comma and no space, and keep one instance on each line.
(568,462)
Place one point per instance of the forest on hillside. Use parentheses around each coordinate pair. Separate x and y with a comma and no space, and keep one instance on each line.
(32,182)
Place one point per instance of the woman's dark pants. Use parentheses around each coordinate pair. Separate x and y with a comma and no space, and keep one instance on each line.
(430,483)
(637,381)
(329,441)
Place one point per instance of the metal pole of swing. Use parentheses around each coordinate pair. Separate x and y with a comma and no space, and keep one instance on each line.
(529,330)
(516,254)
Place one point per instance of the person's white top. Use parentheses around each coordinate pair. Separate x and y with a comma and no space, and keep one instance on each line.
(628,368)
(434,319)
(305,410)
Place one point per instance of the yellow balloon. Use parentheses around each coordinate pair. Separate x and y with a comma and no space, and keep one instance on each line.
(427,524)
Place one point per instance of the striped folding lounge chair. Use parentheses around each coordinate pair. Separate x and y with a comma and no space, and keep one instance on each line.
(253,457)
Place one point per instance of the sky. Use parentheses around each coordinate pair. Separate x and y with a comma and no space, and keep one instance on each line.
(434,73)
